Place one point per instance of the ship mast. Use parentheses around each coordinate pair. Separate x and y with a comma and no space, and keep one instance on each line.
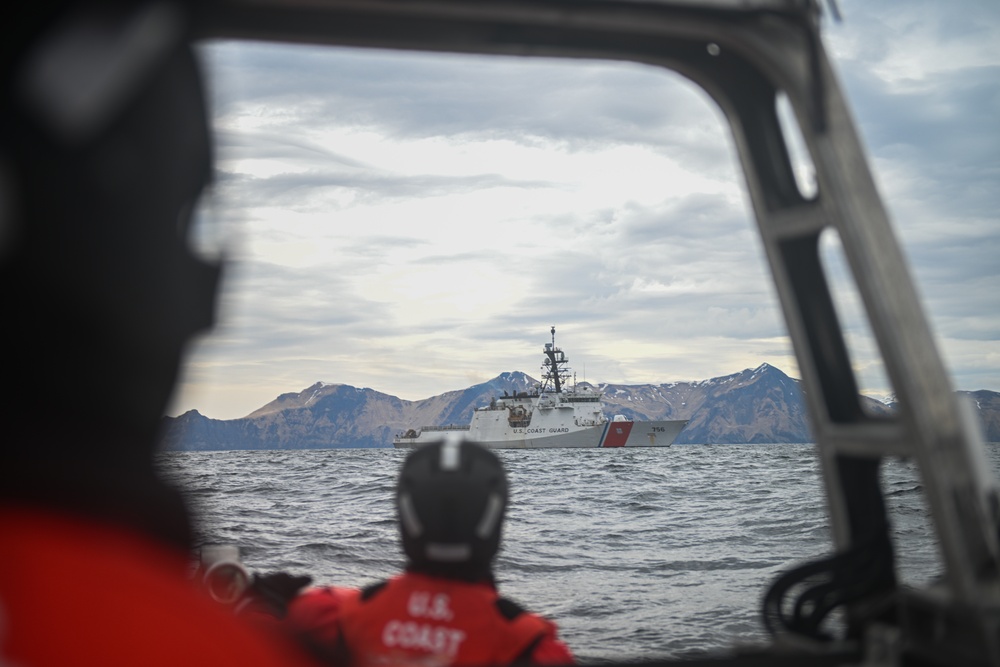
(552,370)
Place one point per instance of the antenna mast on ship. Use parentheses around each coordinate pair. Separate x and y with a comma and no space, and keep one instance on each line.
(552,371)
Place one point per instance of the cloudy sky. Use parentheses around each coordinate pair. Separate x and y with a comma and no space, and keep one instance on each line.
(415,223)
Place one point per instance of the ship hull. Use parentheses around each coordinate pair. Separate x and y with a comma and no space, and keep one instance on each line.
(654,433)
(609,435)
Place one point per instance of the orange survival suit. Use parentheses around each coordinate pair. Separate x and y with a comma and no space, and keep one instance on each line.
(76,591)
(415,618)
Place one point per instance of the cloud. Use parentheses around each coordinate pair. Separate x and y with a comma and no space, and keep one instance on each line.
(925,87)
(306,90)
(410,221)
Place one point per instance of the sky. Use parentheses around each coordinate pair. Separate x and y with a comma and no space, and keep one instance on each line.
(416,223)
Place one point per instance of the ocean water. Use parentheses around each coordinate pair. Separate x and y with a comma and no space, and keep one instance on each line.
(644,553)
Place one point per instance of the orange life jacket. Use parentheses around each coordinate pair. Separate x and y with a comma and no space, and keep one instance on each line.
(434,621)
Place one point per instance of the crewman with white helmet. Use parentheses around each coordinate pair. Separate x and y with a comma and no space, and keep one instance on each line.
(444,609)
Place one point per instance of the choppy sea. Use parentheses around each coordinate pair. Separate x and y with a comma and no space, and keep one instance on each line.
(644,553)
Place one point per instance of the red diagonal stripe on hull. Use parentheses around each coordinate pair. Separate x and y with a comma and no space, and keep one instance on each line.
(617,434)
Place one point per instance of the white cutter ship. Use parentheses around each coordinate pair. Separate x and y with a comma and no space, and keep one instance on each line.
(551,415)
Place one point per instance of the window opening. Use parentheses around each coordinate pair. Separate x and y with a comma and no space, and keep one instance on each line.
(798,153)
(873,382)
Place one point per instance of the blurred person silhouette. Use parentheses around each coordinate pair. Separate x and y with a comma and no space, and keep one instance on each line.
(444,609)
(104,151)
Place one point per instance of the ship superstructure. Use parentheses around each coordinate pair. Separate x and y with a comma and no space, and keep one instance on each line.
(553,414)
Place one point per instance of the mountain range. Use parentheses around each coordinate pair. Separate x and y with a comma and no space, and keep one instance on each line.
(760,405)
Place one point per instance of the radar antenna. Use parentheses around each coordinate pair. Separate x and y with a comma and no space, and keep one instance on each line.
(554,374)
